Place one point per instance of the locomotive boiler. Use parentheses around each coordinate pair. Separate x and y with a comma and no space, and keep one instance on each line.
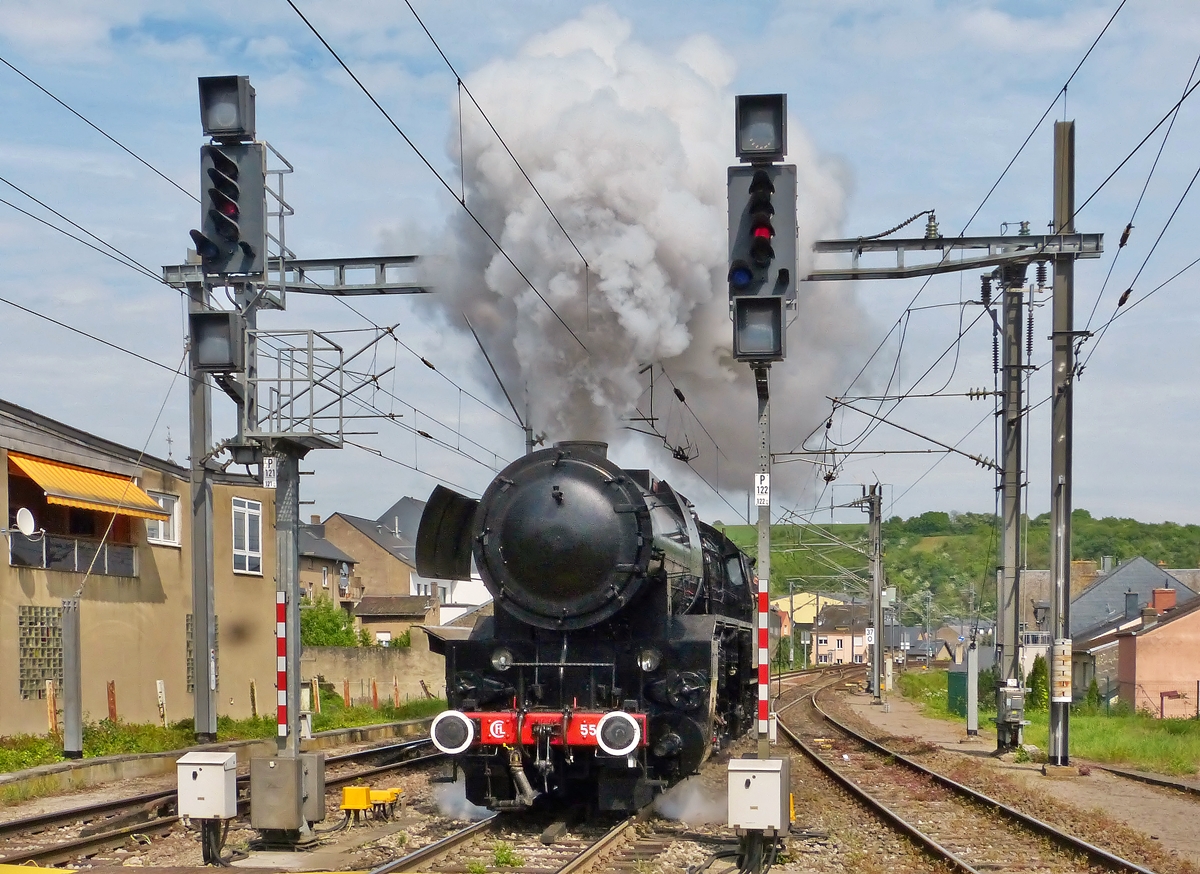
(619,655)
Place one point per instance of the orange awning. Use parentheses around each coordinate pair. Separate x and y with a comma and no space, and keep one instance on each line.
(88,489)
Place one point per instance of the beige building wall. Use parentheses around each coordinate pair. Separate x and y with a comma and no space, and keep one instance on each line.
(380,572)
(1162,659)
(133,629)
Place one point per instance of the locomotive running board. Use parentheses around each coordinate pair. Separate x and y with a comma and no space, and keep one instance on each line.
(444,537)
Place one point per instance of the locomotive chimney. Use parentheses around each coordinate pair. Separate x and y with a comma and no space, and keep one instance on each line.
(584,448)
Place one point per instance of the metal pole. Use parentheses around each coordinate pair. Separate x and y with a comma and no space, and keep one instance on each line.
(72,680)
(204,700)
(972,690)
(287,544)
(762,384)
(792,620)
(875,506)
(1060,448)
(1008,733)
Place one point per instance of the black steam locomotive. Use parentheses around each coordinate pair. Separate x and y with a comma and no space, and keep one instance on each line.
(621,650)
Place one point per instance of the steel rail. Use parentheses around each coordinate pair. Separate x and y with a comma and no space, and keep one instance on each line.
(1032,823)
(438,848)
(589,854)
(115,837)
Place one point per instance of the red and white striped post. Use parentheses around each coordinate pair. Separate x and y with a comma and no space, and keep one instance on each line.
(281,674)
(762,499)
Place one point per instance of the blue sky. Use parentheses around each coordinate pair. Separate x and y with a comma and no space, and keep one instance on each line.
(896,108)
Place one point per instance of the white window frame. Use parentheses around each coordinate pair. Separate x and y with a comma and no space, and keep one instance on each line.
(822,641)
(840,644)
(324,577)
(245,509)
(383,638)
(173,535)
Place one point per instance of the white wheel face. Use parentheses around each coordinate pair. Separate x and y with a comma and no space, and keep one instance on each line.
(626,725)
(455,724)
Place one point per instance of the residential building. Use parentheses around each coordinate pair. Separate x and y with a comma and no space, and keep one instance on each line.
(1106,598)
(807,605)
(385,549)
(1158,667)
(1095,654)
(386,617)
(326,571)
(115,530)
(839,635)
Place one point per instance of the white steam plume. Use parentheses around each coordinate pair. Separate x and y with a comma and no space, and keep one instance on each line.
(629,146)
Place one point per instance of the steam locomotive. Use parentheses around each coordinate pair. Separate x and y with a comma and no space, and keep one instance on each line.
(620,653)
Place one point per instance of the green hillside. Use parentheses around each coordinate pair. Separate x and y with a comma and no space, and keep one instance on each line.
(950,554)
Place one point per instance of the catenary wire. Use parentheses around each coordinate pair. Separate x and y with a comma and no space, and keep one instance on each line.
(436,174)
(463,86)
(133,262)
(1137,206)
(99,130)
(83,333)
(1058,94)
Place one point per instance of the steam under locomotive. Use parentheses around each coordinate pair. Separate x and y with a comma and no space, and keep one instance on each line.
(620,653)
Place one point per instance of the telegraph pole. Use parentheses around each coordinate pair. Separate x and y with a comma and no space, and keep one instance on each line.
(1010,705)
(1063,374)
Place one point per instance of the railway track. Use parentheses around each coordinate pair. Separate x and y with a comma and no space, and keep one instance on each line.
(966,829)
(85,830)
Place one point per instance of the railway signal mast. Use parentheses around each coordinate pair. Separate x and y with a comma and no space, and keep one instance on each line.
(762,287)
(288,404)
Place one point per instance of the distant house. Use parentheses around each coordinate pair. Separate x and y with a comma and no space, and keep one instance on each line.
(1106,598)
(839,635)
(386,617)
(1158,663)
(326,571)
(807,605)
(386,553)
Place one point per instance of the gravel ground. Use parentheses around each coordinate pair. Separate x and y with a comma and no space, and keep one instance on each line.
(1102,809)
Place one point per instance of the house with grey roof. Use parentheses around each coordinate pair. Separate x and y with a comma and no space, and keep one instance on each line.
(1109,597)
(326,571)
(385,549)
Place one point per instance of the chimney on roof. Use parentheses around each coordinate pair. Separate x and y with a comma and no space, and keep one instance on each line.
(1149,617)
(1106,563)
(1131,605)
(315,519)
(1162,600)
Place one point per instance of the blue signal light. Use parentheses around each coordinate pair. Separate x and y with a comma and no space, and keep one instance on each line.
(740,275)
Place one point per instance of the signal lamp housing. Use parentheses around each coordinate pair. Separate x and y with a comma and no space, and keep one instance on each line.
(227,108)
(761,125)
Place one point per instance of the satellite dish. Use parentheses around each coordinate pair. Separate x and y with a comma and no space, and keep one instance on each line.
(25,523)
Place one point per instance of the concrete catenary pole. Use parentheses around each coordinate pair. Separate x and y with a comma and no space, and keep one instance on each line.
(1008,609)
(1060,447)
(204,697)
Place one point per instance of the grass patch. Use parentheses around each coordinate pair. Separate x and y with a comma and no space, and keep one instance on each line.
(1134,740)
(107,738)
(927,688)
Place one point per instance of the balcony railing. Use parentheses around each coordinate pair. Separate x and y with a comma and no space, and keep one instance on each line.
(72,554)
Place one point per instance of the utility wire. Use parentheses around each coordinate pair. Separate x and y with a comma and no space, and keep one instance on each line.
(436,174)
(1058,94)
(133,263)
(83,333)
(1137,206)
(463,86)
(100,131)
